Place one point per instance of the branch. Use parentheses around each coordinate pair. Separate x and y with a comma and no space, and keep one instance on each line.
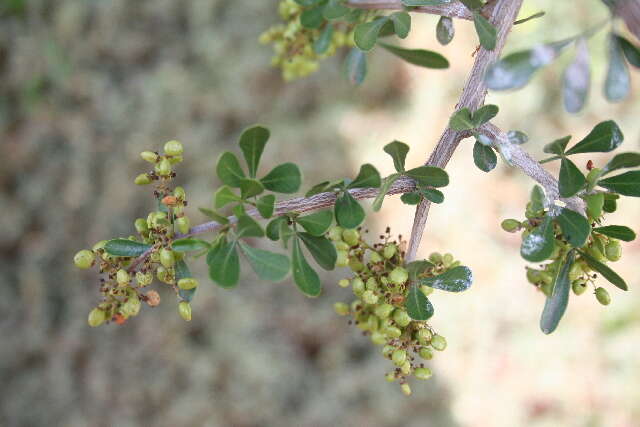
(503,16)
(452,10)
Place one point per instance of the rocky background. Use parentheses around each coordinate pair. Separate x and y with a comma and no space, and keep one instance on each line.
(85,85)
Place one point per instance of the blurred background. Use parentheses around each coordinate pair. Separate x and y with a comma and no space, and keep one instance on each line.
(85,85)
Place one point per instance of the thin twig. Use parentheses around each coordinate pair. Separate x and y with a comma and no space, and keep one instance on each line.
(455,9)
(503,16)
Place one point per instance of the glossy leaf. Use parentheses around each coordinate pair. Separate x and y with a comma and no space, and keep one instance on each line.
(484,157)
(484,114)
(321,45)
(250,188)
(577,79)
(511,72)
(125,247)
(556,304)
(366,34)
(429,176)
(604,137)
(618,81)
(355,66)
(558,146)
(266,205)
(252,143)
(445,30)
(267,265)
(458,279)
(312,18)
(214,215)
(605,271)
(631,52)
(487,33)
(223,196)
(348,212)
(411,198)
(224,264)
(322,250)
(304,276)
(537,198)
(285,178)
(432,195)
(229,170)
(273,228)
(335,9)
(473,5)
(418,305)
(575,228)
(398,152)
(538,245)
(627,184)
(619,232)
(419,57)
(517,137)
(571,179)
(401,23)
(461,120)
(621,161)
(317,223)
(188,245)
(384,189)
(368,177)
(248,227)
(416,268)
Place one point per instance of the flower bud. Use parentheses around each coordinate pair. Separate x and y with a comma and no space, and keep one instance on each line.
(144,279)
(122,277)
(335,233)
(184,308)
(510,225)
(183,224)
(398,357)
(424,336)
(84,259)
(164,167)
(401,318)
(187,283)
(613,251)
(422,373)
(398,275)
(369,297)
(341,308)
(406,389)
(425,353)
(389,250)
(149,156)
(384,310)
(438,342)
(447,260)
(142,179)
(173,148)
(167,258)
(603,296)
(96,317)
(342,259)
(153,298)
(343,283)
(351,237)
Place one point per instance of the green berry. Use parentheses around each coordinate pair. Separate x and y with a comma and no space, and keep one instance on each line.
(183,224)
(406,389)
(384,310)
(387,350)
(373,323)
(398,357)
(603,296)
(179,193)
(141,226)
(164,167)
(401,318)
(351,237)
(175,159)
(390,377)
(389,251)
(378,338)
(167,258)
(435,258)
(184,308)
(372,284)
(122,277)
(422,373)
(438,342)
(99,245)
(144,279)
(510,225)
(188,283)
(96,317)
(578,286)
(149,156)
(357,285)
(424,336)
(533,276)
(342,246)
(398,275)
(392,332)
(406,368)
(426,353)
(613,250)
(355,264)
(84,259)
(164,275)
(375,258)
(341,308)
(342,259)
(142,179)
(132,307)
(343,283)
(173,148)
(369,297)
(335,233)
(575,272)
